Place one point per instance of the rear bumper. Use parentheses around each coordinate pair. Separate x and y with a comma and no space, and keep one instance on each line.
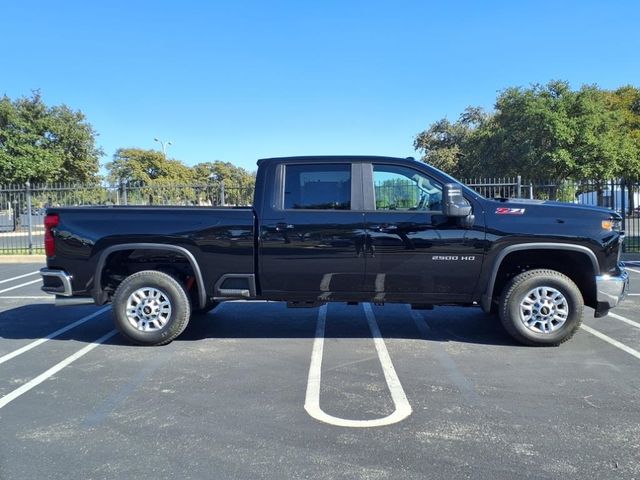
(56,282)
(612,288)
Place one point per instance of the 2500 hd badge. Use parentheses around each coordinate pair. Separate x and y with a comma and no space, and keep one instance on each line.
(453,258)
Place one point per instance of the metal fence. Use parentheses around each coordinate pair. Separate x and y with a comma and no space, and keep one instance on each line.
(618,195)
(22,207)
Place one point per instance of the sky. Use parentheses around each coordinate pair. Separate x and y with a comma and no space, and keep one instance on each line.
(242,80)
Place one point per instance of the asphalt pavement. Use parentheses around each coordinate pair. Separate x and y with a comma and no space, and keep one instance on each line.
(254,390)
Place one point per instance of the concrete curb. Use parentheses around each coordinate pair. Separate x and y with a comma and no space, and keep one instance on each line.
(23,259)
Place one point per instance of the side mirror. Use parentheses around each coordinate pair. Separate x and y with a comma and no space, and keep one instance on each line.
(454,204)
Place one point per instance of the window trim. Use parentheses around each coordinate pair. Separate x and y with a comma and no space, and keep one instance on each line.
(370,191)
(354,173)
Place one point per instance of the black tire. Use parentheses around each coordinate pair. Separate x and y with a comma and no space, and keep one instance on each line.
(523,327)
(170,292)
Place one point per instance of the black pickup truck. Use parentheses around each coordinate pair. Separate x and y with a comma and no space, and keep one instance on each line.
(341,229)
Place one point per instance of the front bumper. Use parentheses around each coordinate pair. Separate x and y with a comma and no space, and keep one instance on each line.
(612,288)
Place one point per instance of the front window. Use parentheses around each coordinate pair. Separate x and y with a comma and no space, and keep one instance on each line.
(402,188)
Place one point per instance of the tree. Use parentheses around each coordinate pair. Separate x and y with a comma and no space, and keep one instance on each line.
(45,144)
(446,145)
(135,166)
(541,132)
(238,182)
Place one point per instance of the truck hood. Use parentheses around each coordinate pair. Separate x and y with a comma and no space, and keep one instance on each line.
(552,207)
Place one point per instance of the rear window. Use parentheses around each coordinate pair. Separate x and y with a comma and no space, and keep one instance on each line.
(318,187)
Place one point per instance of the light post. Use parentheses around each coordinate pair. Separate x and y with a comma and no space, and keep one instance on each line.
(164,145)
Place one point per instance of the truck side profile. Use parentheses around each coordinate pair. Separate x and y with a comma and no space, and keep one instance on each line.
(341,229)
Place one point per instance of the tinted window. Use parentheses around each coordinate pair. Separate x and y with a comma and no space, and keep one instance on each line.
(402,188)
(326,187)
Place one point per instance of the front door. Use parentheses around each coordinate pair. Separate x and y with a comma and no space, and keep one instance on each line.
(413,252)
(312,237)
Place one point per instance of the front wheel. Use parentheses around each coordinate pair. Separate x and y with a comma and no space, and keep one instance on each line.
(151,308)
(541,308)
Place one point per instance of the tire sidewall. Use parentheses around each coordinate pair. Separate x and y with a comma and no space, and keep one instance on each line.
(169,287)
(571,294)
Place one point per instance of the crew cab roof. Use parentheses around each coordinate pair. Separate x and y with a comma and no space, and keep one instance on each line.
(334,158)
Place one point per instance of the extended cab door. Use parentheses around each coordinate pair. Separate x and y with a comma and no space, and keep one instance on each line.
(413,252)
(312,232)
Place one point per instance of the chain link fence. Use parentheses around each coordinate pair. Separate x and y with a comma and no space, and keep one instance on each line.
(22,207)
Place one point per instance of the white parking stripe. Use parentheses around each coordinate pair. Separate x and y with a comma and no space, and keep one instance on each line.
(19,277)
(613,342)
(57,333)
(10,397)
(21,285)
(632,269)
(624,319)
(312,399)
(33,297)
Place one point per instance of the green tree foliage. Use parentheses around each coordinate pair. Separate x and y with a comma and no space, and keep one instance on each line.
(45,144)
(223,171)
(135,166)
(447,145)
(238,182)
(542,132)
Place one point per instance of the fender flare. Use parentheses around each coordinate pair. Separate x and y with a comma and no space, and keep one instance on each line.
(202,294)
(488,296)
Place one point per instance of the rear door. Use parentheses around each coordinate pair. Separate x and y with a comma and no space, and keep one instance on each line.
(312,232)
(413,252)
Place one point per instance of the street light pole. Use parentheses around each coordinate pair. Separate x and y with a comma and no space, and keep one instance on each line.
(164,145)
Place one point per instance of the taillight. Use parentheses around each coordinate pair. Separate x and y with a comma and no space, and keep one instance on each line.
(50,221)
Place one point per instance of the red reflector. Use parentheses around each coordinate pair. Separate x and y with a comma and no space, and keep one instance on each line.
(50,221)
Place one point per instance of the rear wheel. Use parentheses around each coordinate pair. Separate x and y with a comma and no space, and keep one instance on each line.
(151,308)
(541,308)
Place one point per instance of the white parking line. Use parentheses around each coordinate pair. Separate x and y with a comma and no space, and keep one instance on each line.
(19,286)
(18,277)
(632,269)
(32,297)
(624,319)
(57,333)
(10,397)
(611,341)
(312,399)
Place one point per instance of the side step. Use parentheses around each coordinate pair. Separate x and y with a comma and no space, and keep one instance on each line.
(73,301)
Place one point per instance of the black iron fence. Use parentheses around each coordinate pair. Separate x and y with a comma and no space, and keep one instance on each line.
(22,207)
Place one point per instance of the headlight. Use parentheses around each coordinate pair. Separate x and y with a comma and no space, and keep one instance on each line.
(611,225)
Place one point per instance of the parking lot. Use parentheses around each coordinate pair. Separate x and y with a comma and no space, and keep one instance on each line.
(256,390)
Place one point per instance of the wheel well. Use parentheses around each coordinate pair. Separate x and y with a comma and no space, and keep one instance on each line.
(575,265)
(120,264)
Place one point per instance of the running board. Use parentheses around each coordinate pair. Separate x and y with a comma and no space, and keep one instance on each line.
(73,301)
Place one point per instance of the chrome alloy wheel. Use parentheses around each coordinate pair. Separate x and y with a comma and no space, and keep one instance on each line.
(544,310)
(148,309)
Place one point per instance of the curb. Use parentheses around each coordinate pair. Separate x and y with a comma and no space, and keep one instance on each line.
(23,259)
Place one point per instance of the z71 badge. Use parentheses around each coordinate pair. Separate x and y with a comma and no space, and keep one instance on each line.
(509,211)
